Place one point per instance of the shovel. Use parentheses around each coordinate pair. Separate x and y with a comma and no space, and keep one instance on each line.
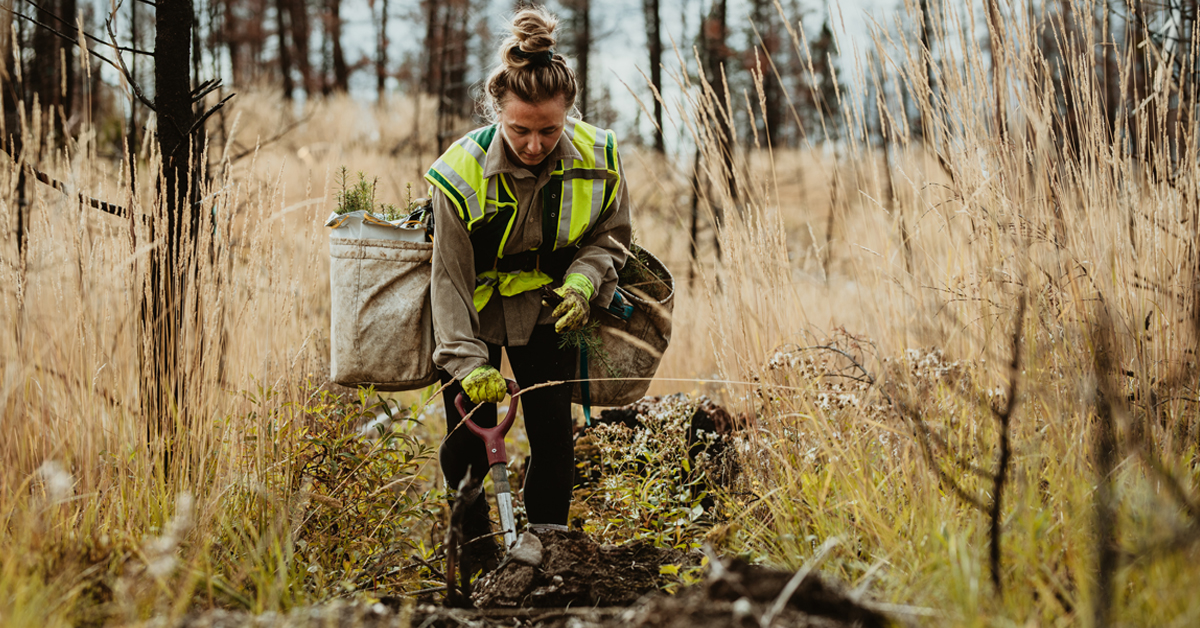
(493,440)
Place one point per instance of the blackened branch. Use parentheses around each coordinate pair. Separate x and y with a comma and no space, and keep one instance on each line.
(89,36)
(137,89)
(204,89)
(1005,459)
(115,210)
(60,35)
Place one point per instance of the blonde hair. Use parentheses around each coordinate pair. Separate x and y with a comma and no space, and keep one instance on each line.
(529,68)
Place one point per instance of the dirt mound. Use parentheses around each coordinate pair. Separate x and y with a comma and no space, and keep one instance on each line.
(564,580)
(739,593)
(604,590)
(563,569)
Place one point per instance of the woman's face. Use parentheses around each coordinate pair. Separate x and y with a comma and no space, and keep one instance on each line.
(531,130)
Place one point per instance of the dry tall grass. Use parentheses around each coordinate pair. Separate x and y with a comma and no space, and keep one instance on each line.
(887,313)
(916,287)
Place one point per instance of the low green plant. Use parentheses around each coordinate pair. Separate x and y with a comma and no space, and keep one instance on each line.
(346,511)
(647,488)
(364,497)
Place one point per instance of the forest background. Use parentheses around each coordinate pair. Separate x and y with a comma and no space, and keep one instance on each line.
(945,279)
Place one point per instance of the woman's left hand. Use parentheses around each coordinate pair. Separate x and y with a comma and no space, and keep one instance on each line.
(573,312)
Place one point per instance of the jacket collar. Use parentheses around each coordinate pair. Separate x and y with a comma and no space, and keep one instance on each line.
(497,160)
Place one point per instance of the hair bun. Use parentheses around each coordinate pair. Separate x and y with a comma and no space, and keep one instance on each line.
(533,30)
(529,67)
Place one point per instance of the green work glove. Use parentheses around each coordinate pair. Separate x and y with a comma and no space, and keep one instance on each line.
(572,313)
(485,385)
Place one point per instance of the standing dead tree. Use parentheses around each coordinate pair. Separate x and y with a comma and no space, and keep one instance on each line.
(333,33)
(169,305)
(654,47)
(381,51)
(581,26)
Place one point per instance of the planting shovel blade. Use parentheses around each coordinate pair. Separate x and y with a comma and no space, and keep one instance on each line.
(493,440)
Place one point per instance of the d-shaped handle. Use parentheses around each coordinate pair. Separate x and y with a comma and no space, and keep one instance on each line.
(493,438)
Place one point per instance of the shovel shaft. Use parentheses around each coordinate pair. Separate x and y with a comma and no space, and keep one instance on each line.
(504,503)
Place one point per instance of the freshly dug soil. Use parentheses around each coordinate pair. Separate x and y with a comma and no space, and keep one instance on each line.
(575,583)
(567,569)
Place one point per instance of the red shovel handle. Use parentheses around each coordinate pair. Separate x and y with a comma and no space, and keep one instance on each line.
(493,438)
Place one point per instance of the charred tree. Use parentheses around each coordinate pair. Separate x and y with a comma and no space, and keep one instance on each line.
(285,54)
(333,24)
(925,32)
(654,47)
(824,86)
(581,25)
(431,11)
(381,53)
(452,87)
(301,31)
(163,315)
(999,82)
(715,52)
(51,78)
(583,49)
(766,24)
(12,100)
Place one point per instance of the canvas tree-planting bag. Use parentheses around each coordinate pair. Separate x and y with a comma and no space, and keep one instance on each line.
(381,327)
(625,354)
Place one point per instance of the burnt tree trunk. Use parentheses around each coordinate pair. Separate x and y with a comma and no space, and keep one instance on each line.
(713,36)
(926,28)
(300,33)
(583,47)
(285,54)
(175,227)
(766,20)
(52,72)
(341,72)
(454,102)
(132,139)
(999,83)
(430,73)
(381,55)
(655,48)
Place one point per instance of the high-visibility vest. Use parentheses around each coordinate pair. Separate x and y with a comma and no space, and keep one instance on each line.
(578,193)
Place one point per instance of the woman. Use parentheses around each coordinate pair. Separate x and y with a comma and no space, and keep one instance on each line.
(536,201)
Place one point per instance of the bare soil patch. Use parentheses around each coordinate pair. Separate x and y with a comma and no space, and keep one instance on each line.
(573,582)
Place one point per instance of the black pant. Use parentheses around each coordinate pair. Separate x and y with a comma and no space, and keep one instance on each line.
(547,413)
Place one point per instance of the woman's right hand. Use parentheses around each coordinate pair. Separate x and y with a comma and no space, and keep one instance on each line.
(485,385)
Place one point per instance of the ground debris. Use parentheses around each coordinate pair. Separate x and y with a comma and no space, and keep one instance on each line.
(331,615)
(579,584)
(576,571)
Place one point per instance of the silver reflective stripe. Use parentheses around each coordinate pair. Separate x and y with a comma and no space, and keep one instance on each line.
(460,184)
(564,215)
(597,201)
(598,148)
(493,195)
(569,130)
(473,147)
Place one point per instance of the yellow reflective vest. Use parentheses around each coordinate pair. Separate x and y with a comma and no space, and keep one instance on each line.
(577,195)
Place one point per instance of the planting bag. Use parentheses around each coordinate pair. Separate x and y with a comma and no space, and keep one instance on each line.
(381,319)
(630,350)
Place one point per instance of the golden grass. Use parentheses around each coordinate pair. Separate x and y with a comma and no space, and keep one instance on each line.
(816,245)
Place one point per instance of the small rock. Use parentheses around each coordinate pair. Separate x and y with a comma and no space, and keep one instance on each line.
(527,550)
